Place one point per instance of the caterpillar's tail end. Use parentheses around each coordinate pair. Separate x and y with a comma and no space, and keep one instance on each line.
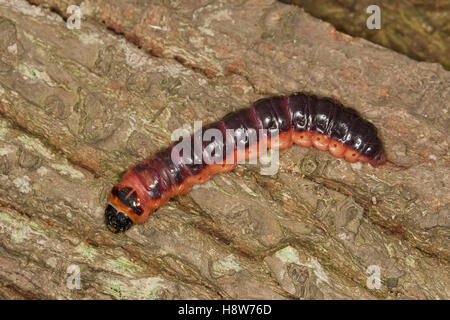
(117,221)
(379,159)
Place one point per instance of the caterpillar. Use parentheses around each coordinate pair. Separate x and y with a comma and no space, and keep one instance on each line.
(280,121)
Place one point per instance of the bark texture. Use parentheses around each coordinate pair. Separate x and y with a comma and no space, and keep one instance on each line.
(417,28)
(78,107)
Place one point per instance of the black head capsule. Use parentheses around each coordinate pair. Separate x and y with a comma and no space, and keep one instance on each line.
(117,221)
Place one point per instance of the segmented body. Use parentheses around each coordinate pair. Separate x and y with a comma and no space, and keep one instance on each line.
(299,118)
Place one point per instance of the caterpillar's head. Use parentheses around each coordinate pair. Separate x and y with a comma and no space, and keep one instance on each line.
(117,221)
(123,209)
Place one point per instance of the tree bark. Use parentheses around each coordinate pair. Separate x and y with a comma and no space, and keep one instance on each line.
(417,28)
(79,106)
